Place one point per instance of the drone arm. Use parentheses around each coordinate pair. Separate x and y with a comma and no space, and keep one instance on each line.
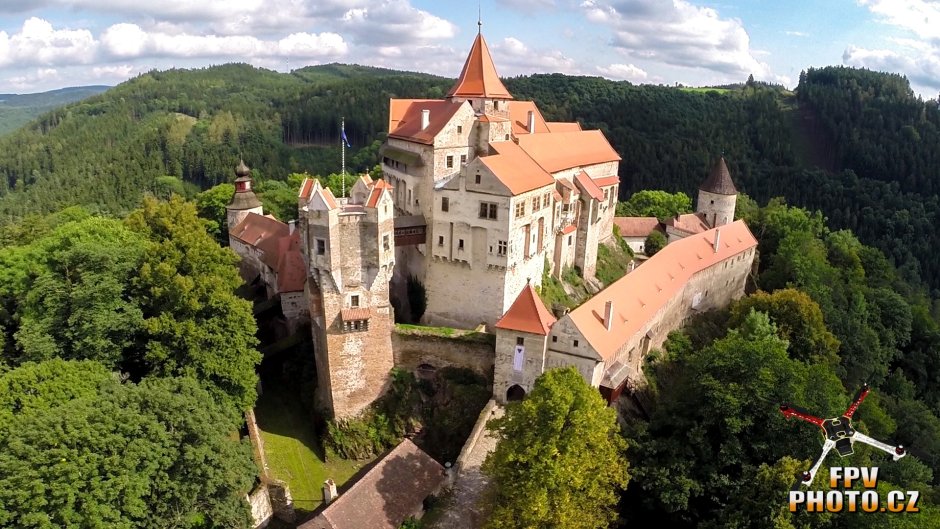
(808,476)
(897,452)
(857,401)
(791,411)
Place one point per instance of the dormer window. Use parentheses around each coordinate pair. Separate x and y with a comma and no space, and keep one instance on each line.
(354,301)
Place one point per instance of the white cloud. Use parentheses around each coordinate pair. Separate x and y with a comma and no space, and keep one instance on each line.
(922,17)
(131,41)
(923,70)
(38,42)
(513,57)
(392,22)
(626,72)
(680,34)
(796,33)
(39,75)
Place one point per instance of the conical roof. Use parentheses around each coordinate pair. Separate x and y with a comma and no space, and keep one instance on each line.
(719,180)
(527,314)
(479,77)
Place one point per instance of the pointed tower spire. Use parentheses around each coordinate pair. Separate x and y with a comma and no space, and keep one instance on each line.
(479,78)
(719,179)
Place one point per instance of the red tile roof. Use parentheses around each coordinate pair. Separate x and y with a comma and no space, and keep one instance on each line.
(478,77)
(359,313)
(636,226)
(280,250)
(639,295)
(305,188)
(377,189)
(409,123)
(563,150)
(516,170)
(519,115)
(569,229)
(527,314)
(607,181)
(563,126)
(587,185)
(688,222)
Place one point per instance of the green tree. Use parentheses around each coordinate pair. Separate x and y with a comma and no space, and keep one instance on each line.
(560,458)
(655,242)
(798,320)
(211,205)
(654,203)
(156,455)
(186,284)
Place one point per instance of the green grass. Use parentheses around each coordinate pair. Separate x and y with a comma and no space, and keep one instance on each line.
(445,332)
(612,261)
(704,89)
(293,451)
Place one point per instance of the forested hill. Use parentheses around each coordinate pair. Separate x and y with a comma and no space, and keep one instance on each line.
(855,144)
(17,110)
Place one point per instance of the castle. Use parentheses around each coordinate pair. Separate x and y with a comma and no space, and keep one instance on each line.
(480,194)
(499,192)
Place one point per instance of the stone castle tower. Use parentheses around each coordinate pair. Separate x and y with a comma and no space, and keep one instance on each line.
(244,200)
(717,196)
(349,251)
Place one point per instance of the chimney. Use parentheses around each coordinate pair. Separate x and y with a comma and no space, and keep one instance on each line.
(608,314)
(425,119)
(717,238)
(291,226)
(531,122)
(329,491)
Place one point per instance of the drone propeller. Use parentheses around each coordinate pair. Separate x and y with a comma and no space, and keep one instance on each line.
(792,411)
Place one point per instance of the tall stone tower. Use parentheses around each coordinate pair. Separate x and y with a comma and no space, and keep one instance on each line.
(717,196)
(244,200)
(349,251)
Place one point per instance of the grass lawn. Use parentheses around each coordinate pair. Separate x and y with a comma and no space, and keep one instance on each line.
(293,451)
(704,89)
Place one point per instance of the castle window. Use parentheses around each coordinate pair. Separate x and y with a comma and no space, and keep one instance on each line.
(478,178)
(536,203)
(546,200)
(507,137)
(440,240)
(460,244)
(463,159)
(354,301)
(355,325)
(445,204)
(520,209)
(569,240)
(385,242)
(501,247)
(520,340)
(459,129)
(321,247)
(450,161)
(488,210)
(575,343)
(554,339)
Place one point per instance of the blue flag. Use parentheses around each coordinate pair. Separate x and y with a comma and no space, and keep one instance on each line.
(345,139)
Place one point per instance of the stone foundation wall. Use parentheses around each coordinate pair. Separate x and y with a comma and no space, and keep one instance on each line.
(414,348)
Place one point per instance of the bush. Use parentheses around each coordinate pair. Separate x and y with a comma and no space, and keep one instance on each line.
(655,242)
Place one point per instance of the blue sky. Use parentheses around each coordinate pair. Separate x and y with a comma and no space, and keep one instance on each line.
(47,44)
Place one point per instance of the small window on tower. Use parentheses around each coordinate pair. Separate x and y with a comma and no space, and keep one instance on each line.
(507,137)
(478,178)
(450,161)
(460,244)
(575,343)
(459,129)
(440,240)
(321,247)
(520,340)
(463,159)
(554,339)
(385,244)
(354,301)
(445,204)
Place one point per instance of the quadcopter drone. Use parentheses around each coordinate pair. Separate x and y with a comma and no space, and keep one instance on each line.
(839,434)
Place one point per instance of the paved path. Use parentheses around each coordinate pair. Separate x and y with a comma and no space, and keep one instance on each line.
(463,511)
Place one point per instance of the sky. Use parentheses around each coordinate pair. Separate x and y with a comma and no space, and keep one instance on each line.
(48,44)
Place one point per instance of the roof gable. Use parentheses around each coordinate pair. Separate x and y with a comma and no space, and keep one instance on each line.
(519,115)
(515,169)
(586,184)
(409,125)
(527,314)
(478,77)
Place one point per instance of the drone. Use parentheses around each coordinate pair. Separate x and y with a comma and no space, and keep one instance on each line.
(839,433)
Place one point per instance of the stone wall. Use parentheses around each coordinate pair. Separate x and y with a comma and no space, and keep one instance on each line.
(413,348)
(261,511)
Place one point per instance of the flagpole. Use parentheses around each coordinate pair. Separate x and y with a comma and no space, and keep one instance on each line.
(342,143)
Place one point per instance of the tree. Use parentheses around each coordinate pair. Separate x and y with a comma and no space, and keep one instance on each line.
(196,325)
(559,461)
(655,203)
(655,242)
(798,320)
(211,205)
(155,455)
